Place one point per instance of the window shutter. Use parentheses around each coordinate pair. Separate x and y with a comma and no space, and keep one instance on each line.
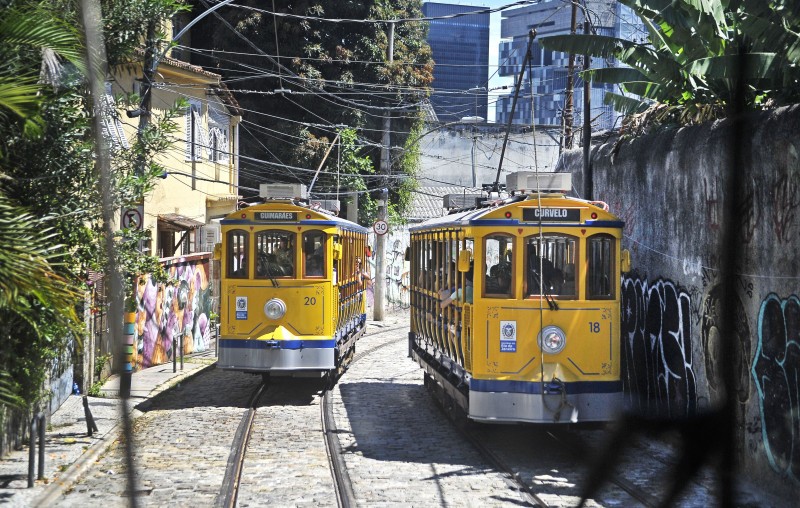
(203,135)
(189,138)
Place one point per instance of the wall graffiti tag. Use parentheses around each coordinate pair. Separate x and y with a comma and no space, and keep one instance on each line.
(786,197)
(776,371)
(658,373)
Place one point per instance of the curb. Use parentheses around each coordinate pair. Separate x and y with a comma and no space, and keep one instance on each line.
(53,491)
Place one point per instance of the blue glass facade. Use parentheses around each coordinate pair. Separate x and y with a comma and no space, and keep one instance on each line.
(460,49)
(549,68)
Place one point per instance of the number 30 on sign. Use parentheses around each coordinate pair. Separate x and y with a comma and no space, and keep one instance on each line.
(380,227)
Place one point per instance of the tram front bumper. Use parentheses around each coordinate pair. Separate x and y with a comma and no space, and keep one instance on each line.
(277,350)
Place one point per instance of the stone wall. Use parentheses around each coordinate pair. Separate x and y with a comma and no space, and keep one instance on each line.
(670,190)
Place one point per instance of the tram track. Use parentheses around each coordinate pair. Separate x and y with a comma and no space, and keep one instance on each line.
(233,472)
(232,481)
(578,448)
(345,494)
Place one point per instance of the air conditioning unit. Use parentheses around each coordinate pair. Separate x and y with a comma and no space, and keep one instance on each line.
(282,190)
(210,235)
(526,181)
(331,205)
(461,200)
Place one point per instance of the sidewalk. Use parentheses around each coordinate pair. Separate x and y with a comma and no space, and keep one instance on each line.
(69,451)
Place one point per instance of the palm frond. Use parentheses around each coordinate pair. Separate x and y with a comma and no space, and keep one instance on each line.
(40,28)
(625,105)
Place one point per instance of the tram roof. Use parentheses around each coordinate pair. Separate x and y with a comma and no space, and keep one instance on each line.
(310,216)
(480,216)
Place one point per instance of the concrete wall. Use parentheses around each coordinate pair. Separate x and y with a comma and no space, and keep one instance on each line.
(670,190)
(446,155)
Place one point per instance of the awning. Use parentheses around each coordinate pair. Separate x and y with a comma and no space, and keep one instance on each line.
(177,222)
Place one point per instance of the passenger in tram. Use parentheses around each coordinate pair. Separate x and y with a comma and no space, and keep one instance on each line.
(363,275)
(552,280)
(462,294)
(498,280)
(314,258)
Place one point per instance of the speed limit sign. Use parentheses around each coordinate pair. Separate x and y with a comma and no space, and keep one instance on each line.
(380,227)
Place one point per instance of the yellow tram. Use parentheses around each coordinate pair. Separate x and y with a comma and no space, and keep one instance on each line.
(515,307)
(292,299)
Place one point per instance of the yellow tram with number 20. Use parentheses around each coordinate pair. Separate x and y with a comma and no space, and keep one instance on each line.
(292,296)
(515,307)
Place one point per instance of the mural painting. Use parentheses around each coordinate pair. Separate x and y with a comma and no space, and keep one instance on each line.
(776,372)
(658,370)
(168,312)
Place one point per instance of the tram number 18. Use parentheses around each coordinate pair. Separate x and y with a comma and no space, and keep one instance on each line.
(310,300)
(594,327)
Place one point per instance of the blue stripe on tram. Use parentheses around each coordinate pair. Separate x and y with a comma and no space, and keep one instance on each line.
(575,387)
(281,344)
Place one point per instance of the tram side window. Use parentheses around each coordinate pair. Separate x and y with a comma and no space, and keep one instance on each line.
(498,266)
(552,256)
(237,243)
(275,254)
(600,270)
(314,253)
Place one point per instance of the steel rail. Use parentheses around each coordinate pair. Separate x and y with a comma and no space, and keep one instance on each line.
(345,495)
(578,448)
(233,472)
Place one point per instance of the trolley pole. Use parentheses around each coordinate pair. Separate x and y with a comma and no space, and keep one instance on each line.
(383,203)
(569,93)
(587,123)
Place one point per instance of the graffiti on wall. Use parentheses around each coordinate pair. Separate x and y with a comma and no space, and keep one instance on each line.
(786,196)
(658,371)
(168,312)
(776,373)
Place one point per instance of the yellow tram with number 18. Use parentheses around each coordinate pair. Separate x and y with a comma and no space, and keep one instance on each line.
(515,306)
(292,299)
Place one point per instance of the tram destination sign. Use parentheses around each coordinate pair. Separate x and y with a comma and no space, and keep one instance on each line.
(283,216)
(551,214)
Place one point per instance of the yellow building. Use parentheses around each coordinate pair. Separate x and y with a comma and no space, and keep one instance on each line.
(201,181)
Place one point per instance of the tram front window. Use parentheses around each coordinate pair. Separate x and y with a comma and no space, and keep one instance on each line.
(314,253)
(275,251)
(600,270)
(550,265)
(236,254)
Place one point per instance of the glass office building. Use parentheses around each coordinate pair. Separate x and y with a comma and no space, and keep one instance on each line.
(549,68)
(460,47)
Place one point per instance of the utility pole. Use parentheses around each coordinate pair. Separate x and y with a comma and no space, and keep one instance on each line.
(474,140)
(383,202)
(587,122)
(568,105)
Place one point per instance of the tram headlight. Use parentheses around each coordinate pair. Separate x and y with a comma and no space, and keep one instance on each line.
(552,340)
(275,309)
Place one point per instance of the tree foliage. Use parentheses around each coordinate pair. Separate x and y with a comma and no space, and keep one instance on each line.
(331,73)
(49,199)
(687,71)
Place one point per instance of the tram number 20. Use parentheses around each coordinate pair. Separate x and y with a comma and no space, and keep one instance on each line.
(594,327)
(310,300)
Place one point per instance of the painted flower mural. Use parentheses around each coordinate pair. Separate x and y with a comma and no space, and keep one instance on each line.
(167,313)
